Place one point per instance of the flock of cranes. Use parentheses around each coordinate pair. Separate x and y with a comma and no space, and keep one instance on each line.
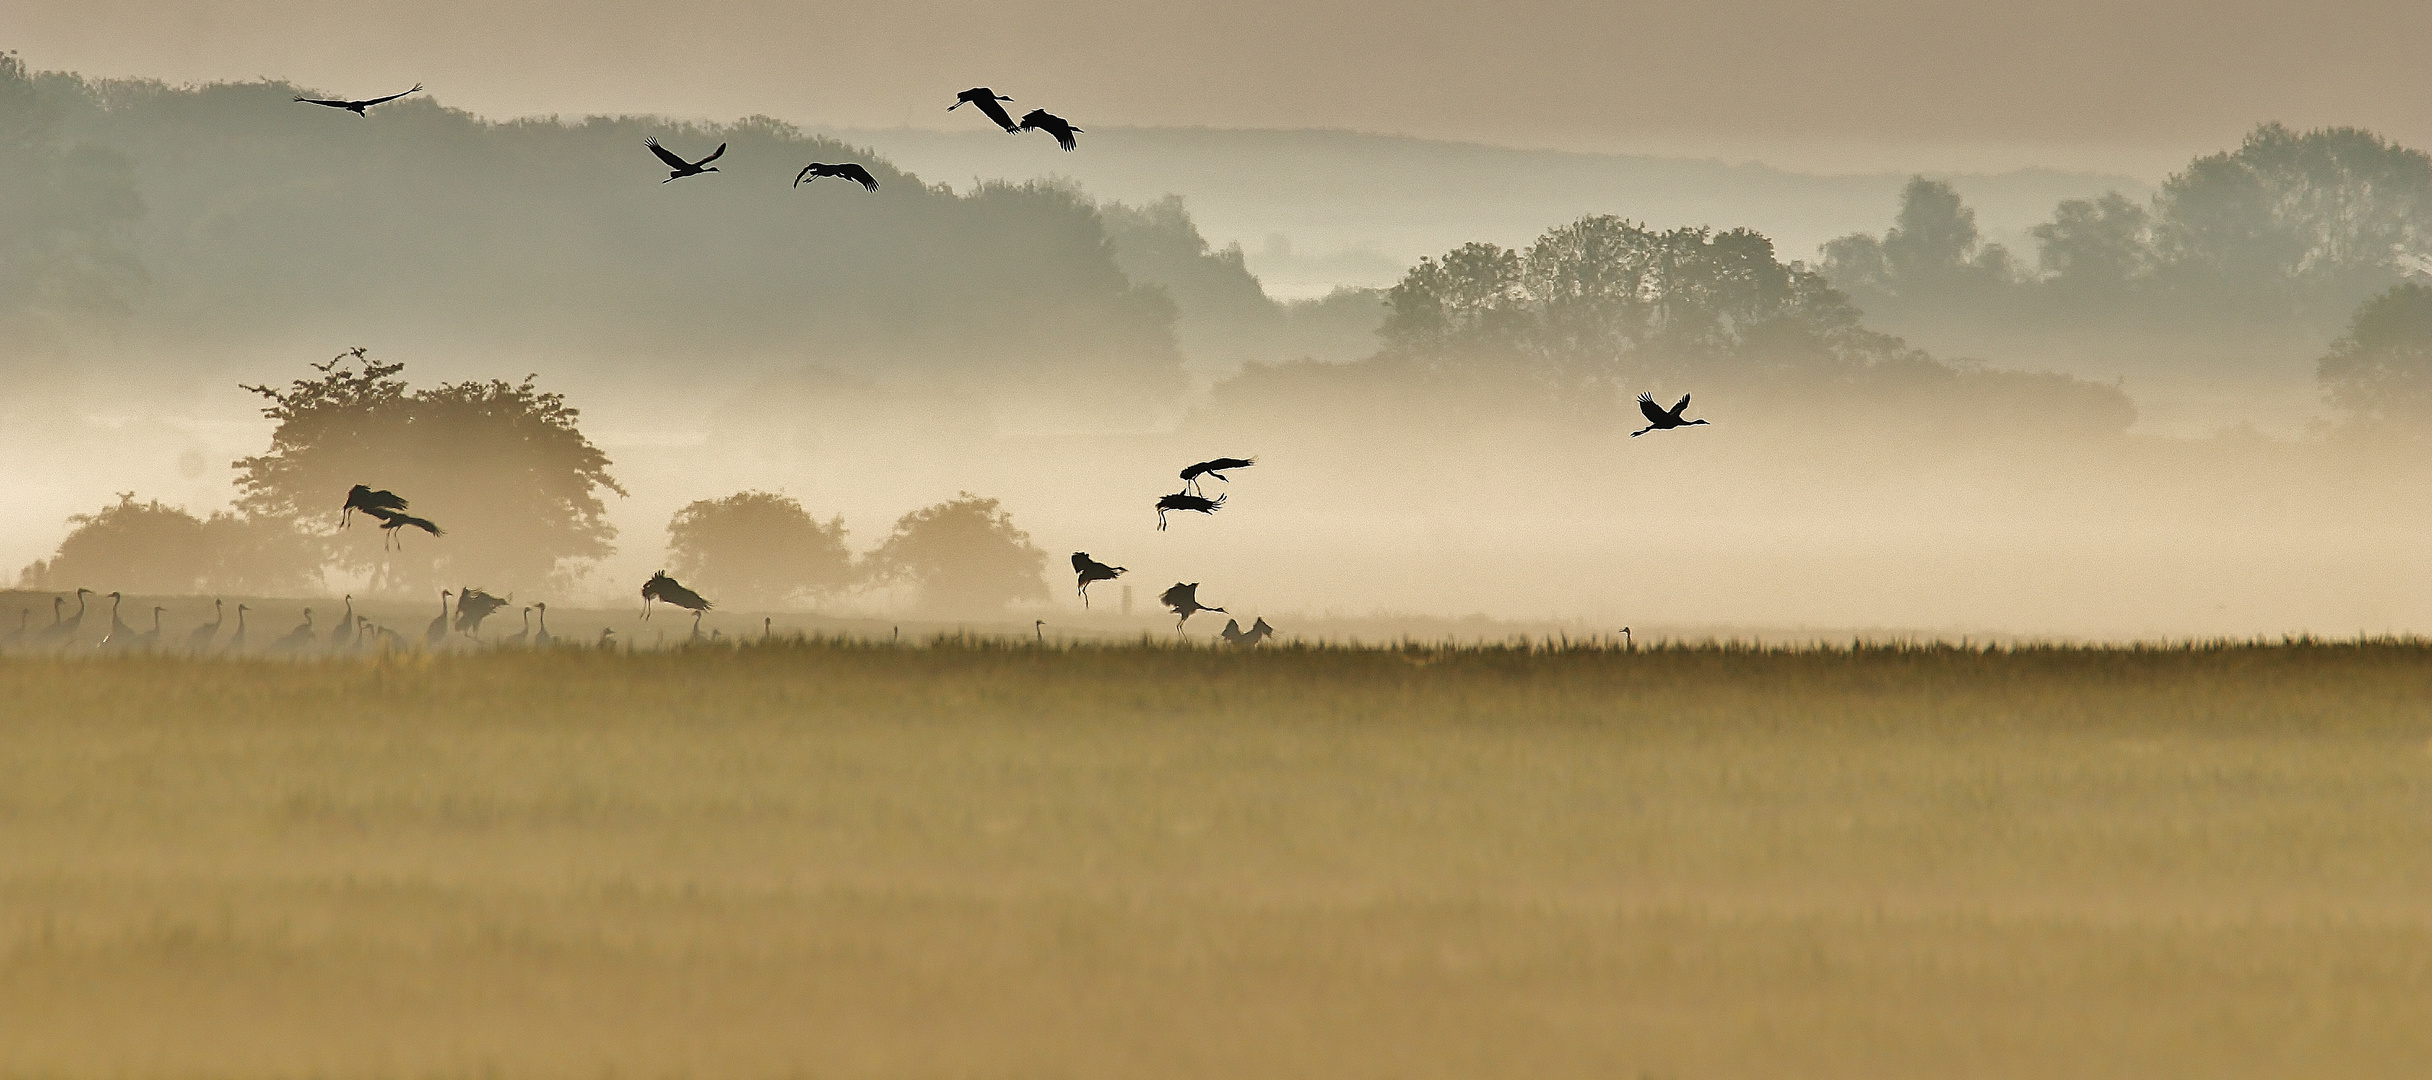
(472,606)
(678,168)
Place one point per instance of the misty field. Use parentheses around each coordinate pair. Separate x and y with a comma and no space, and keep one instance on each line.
(827,859)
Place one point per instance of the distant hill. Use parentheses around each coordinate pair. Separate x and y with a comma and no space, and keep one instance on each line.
(1314,209)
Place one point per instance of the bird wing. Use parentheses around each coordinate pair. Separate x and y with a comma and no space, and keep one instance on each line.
(1179,596)
(423,524)
(855,173)
(1231,463)
(384,499)
(1262,627)
(806,171)
(673,162)
(1655,413)
(1081,562)
(713,156)
(997,113)
(327,101)
(391,97)
(1677,406)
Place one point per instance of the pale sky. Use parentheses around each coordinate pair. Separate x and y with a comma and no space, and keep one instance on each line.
(2131,86)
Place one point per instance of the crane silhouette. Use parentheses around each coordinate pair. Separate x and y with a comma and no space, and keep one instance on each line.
(844,171)
(236,641)
(120,632)
(62,629)
(149,639)
(375,503)
(1234,635)
(472,606)
(520,637)
(986,101)
(680,168)
(1089,570)
(343,634)
(1214,467)
(1182,500)
(541,638)
(1660,419)
(1042,120)
(392,520)
(662,588)
(199,638)
(437,632)
(298,639)
(1184,599)
(357,107)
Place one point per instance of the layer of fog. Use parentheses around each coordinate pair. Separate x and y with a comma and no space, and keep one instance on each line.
(1315,210)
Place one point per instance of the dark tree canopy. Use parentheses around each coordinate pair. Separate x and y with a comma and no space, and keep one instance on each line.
(2327,206)
(501,466)
(2096,244)
(1933,248)
(148,547)
(2379,374)
(760,549)
(1605,302)
(963,554)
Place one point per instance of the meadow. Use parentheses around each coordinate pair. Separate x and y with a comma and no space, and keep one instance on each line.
(975,859)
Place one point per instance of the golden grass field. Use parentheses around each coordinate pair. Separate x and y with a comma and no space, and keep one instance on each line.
(974,860)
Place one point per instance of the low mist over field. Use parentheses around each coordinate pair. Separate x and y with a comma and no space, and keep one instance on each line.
(2100,408)
(1335,539)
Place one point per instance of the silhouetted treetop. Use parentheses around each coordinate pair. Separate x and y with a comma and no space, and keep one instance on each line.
(2379,373)
(756,548)
(1604,301)
(501,465)
(964,554)
(2322,206)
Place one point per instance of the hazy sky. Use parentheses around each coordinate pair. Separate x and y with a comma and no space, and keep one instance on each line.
(2124,85)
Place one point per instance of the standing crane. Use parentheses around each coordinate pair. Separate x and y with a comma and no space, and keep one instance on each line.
(343,634)
(985,100)
(298,639)
(120,635)
(541,638)
(236,641)
(61,630)
(198,640)
(472,606)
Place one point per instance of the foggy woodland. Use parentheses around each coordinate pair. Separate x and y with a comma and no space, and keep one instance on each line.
(2202,410)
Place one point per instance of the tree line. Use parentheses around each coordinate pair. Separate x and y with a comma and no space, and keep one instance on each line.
(2317,234)
(506,467)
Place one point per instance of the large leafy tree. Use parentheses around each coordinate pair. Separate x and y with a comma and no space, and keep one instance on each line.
(1603,302)
(964,554)
(149,547)
(2096,245)
(2326,207)
(2379,373)
(758,548)
(501,466)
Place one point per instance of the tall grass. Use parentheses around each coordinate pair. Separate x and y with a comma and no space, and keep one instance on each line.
(983,857)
